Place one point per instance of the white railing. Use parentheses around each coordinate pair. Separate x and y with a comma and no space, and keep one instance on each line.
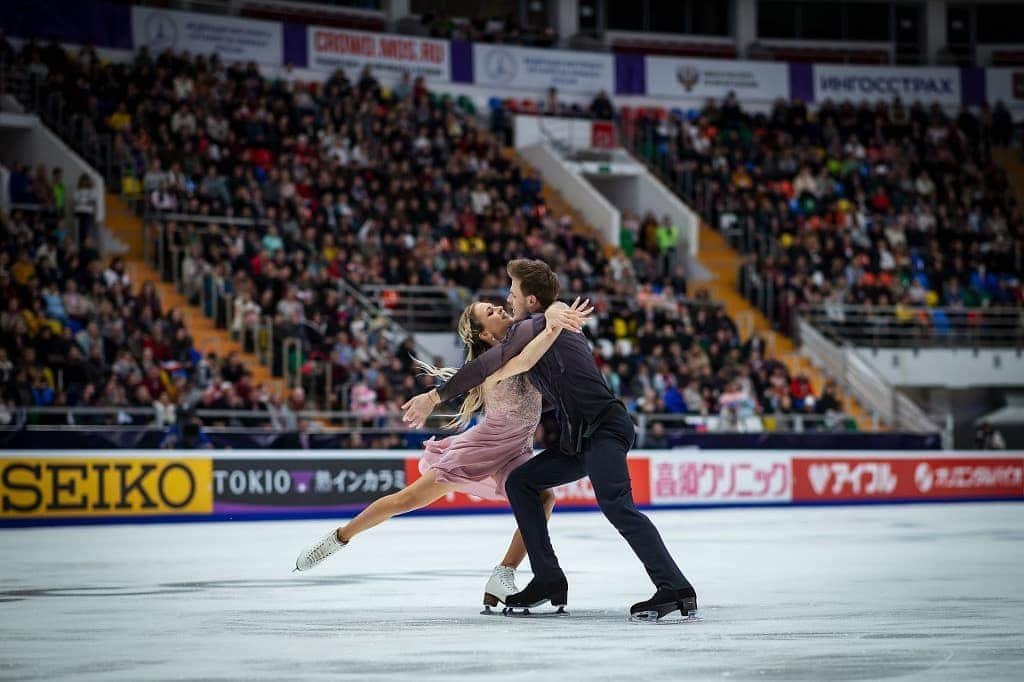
(869,387)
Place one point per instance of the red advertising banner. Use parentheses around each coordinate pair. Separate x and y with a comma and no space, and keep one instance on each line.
(713,477)
(867,478)
(576,494)
(602,134)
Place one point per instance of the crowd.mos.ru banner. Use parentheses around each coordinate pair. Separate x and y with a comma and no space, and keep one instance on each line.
(104,486)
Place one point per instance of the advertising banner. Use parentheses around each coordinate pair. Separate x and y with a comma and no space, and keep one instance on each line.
(537,69)
(234,39)
(576,494)
(873,83)
(388,56)
(719,477)
(1006,85)
(103,486)
(715,78)
(905,478)
(303,484)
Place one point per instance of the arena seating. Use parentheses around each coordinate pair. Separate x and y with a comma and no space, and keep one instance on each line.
(870,204)
(351,181)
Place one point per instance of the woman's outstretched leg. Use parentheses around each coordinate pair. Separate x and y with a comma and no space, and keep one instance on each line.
(422,492)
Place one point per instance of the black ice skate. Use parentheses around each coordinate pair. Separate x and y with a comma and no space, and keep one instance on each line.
(664,602)
(536,594)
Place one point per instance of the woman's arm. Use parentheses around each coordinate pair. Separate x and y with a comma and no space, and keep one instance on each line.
(541,343)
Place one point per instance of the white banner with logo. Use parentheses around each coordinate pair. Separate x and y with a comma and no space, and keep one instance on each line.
(1006,85)
(720,477)
(873,83)
(536,70)
(234,39)
(388,55)
(704,78)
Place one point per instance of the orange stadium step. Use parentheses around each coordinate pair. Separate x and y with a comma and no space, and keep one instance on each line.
(724,263)
(1010,160)
(127,227)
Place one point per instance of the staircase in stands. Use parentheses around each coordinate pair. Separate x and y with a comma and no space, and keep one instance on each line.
(122,222)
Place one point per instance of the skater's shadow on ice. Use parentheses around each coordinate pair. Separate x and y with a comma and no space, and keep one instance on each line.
(198,586)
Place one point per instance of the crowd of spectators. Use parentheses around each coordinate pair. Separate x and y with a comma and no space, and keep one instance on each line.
(350,180)
(881,204)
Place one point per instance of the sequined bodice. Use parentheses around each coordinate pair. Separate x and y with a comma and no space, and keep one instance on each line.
(514,398)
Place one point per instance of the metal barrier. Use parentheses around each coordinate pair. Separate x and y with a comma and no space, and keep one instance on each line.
(919,327)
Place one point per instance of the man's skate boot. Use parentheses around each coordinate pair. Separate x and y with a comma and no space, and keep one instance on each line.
(536,593)
(499,587)
(665,601)
(314,554)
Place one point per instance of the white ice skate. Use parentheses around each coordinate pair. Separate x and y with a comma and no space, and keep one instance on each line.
(314,554)
(501,585)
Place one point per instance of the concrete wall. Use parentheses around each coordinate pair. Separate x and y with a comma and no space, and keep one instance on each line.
(954,369)
(580,194)
(23,137)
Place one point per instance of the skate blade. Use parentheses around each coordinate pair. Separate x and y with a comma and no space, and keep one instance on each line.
(532,612)
(673,618)
(488,611)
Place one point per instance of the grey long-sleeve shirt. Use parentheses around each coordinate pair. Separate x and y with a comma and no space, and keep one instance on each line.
(566,376)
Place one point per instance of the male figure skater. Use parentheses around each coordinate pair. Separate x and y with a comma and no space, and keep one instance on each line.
(596,434)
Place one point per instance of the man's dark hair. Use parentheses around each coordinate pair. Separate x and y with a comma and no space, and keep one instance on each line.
(535,279)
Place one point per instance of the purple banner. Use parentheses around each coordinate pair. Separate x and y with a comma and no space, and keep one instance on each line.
(630,74)
(973,86)
(801,82)
(461,56)
(295,50)
(295,485)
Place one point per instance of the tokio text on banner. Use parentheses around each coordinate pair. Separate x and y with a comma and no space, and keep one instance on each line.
(233,39)
(286,485)
(103,486)
(389,56)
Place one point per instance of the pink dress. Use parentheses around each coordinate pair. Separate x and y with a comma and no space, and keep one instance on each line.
(480,459)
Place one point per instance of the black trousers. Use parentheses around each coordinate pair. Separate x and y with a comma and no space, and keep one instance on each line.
(604,460)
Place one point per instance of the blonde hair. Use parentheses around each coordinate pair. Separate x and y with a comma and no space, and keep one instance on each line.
(469,330)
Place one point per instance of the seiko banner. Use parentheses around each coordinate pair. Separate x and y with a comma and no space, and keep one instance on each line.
(873,83)
(233,39)
(98,485)
(677,77)
(388,56)
(535,70)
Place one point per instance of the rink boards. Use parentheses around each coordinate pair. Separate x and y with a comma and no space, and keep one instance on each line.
(59,487)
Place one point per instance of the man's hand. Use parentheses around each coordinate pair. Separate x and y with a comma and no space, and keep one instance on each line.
(418,408)
(570,318)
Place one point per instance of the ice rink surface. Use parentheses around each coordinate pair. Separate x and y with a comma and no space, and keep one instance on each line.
(844,593)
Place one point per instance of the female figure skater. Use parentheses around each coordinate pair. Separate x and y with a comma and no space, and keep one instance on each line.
(476,461)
